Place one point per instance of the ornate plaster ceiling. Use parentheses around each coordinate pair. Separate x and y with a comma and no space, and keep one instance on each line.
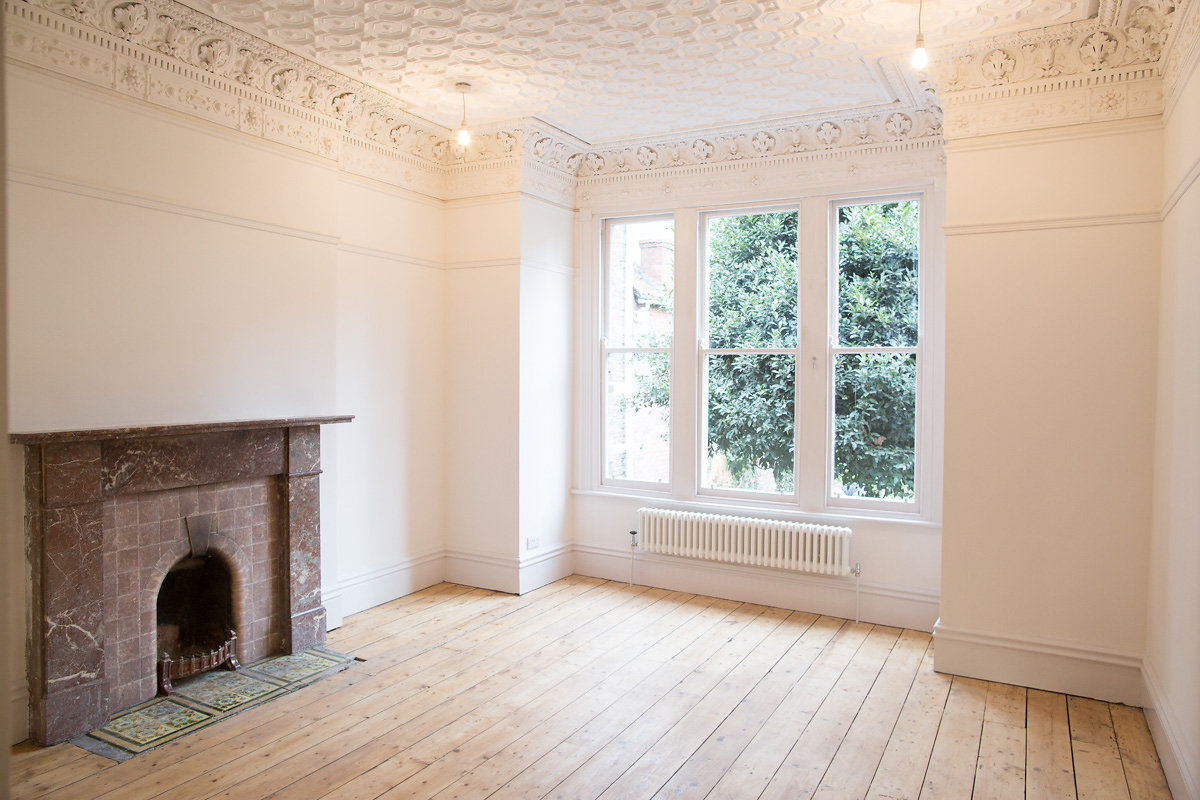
(609,71)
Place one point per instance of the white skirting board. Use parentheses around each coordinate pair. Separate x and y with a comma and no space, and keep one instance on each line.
(483,571)
(19,712)
(897,606)
(1180,758)
(351,595)
(512,575)
(1054,666)
(539,569)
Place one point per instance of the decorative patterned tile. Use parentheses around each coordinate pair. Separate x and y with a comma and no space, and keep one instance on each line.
(205,699)
(296,667)
(224,691)
(156,721)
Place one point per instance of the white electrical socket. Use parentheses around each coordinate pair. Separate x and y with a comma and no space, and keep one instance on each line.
(533,543)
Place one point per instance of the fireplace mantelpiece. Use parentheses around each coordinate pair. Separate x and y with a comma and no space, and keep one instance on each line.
(70,475)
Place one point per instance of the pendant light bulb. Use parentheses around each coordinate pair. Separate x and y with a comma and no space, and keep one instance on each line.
(920,59)
(463,136)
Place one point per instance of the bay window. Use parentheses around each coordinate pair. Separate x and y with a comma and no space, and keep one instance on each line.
(779,361)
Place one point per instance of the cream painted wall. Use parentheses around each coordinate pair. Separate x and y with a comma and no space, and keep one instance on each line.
(387,466)
(204,294)
(144,316)
(482,341)
(1050,407)
(96,139)
(508,322)
(1091,171)
(547,298)
(1172,661)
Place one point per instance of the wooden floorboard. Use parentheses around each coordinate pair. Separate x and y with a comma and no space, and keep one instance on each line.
(594,689)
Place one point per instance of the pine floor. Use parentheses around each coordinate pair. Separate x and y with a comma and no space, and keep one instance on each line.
(590,688)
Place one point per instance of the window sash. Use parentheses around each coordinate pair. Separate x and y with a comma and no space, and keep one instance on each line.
(815,383)
(607,351)
(834,350)
(701,481)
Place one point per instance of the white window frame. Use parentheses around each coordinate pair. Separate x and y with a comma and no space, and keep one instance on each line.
(605,351)
(834,349)
(812,498)
(703,351)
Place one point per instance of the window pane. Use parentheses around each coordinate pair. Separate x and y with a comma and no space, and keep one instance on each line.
(637,417)
(641,283)
(877,274)
(752,289)
(751,422)
(875,405)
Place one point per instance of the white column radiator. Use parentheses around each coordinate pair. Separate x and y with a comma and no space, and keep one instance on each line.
(824,549)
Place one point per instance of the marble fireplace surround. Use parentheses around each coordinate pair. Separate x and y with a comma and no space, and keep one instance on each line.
(73,482)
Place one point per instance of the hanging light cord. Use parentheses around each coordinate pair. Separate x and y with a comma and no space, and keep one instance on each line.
(464,136)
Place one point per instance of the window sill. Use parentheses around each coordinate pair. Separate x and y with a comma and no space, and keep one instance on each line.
(783,511)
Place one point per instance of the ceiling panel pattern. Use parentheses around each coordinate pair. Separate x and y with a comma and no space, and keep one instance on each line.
(609,71)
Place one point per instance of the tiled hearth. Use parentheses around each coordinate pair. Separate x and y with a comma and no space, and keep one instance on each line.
(144,536)
(105,521)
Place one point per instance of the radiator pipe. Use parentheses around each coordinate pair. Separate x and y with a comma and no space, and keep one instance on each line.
(857,599)
(632,555)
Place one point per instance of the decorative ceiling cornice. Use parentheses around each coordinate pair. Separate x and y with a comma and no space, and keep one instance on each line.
(1104,69)
(219,55)
(1184,48)
(1091,48)
(822,133)
(901,163)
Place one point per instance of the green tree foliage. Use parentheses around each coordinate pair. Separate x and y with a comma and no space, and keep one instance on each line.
(752,302)
(874,424)
(877,275)
(875,393)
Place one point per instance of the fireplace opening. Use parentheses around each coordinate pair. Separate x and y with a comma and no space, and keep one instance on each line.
(195,619)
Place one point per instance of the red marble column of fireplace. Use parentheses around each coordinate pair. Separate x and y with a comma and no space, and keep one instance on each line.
(304,538)
(69,475)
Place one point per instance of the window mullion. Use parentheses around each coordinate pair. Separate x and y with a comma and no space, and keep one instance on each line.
(685,378)
(812,366)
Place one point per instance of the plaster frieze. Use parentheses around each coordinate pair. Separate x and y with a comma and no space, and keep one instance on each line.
(869,167)
(529,139)
(1184,50)
(369,160)
(1105,68)
(220,54)
(766,143)
(1084,48)
(502,176)
(1064,105)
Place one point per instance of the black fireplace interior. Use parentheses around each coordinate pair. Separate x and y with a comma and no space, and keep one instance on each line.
(195,607)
